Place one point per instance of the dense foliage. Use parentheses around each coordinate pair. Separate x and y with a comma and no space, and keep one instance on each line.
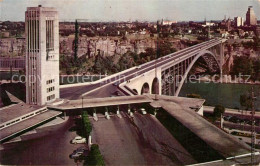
(86,124)
(94,157)
(244,65)
(245,101)
(218,110)
(193,95)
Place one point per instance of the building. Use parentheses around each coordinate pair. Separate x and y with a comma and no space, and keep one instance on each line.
(167,22)
(250,17)
(257,31)
(42,55)
(239,21)
(206,24)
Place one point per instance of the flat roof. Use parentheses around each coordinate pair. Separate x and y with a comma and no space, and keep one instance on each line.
(99,102)
(30,122)
(16,110)
(227,145)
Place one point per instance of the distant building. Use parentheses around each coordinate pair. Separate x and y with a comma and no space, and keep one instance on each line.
(5,34)
(42,55)
(257,31)
(250,17)
(166,22)
(226,24)
(239,21)
(206,24)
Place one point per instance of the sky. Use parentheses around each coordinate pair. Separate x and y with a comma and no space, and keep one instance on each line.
(131,10)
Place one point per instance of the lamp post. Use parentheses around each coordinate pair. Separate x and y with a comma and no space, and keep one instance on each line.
(156,56)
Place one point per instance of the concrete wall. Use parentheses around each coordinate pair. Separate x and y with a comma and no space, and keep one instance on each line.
(148,77)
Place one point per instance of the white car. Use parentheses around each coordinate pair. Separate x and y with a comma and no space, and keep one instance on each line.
(143,111)
(79,140)
(138,67)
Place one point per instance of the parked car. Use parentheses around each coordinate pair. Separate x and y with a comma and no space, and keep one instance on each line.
(138,67)
(227,118)
(75,155)
(116,83)
(143,111)
(81,151)
(79,140)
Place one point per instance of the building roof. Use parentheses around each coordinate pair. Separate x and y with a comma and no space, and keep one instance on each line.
(16,110)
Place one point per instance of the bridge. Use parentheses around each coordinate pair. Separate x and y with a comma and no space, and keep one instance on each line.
(156,83)
(164,76)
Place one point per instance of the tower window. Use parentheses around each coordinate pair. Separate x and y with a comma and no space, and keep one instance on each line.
(49,35)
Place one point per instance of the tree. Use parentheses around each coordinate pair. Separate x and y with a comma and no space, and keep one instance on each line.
(242,65)
(94,157)
(193,95)
(218,110)
(86,124)
(245,101)
(76,40)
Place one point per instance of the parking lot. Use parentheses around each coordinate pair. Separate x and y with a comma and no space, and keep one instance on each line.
(52,149)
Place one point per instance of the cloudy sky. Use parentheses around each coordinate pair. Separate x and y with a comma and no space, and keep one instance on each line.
(125,10)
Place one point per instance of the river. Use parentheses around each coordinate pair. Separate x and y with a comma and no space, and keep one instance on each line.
(227,95)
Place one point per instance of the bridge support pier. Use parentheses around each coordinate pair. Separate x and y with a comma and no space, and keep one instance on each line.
(129,111)
(95,115)
(118,112)
(107,115)
(155,112)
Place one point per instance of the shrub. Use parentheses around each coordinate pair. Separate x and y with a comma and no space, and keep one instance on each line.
(94,157)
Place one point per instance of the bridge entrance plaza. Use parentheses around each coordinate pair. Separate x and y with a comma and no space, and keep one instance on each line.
(141,140)
(184,110)
(18,118)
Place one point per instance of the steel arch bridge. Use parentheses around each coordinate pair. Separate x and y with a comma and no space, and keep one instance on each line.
(170,72)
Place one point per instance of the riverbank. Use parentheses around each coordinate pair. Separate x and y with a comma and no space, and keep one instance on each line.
(227,79)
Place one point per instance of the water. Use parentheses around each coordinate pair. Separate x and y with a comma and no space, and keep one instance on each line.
(227,95)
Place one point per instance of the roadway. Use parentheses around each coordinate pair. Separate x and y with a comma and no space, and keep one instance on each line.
(76,92)
(234,112)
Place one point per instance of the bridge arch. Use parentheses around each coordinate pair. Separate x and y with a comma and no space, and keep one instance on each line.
(201,54)
(145,88)
(155,86)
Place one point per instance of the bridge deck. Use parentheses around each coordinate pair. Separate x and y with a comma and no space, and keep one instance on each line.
(224,143)
(75,91)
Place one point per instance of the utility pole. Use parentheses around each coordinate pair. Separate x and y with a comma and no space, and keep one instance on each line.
(11,60)
(76,40)
(209,31)
(156,56)
(82,102)
(252,128)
